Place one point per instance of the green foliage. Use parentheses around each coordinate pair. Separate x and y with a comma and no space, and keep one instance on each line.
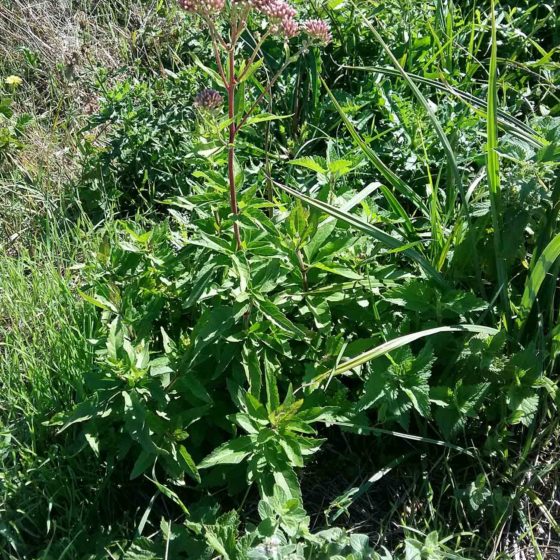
(12,127)
(396,388)
(390,315)
(145,128)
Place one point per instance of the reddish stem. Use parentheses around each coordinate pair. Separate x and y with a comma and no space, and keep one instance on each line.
(231,146)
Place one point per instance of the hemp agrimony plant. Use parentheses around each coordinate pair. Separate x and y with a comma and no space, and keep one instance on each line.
(226,22)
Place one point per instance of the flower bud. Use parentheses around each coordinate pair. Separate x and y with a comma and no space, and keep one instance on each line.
(208,99)
(287,28)
(202,6)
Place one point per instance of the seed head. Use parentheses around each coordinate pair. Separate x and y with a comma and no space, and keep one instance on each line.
(208,99)
(318,30)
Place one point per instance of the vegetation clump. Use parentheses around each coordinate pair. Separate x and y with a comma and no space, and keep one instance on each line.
(288,287)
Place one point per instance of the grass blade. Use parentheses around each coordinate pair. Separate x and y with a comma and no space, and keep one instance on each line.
(452,161)
(388,240)
(392,345)
(493,170)
(536,278)
(387,174)
(411,437)
(506,121)
(450,154)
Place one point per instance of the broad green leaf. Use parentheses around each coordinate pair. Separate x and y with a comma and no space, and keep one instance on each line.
(309,163)
(208,71)
(99,301)
(320,310)
(188,463)
(247,73)
(272,396)
(275,316)
(292,449)
(229,453)
(253,371)
(171,495)
(265,117)
(143,462)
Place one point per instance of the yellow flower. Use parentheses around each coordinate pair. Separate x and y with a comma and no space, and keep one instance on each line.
(13,81)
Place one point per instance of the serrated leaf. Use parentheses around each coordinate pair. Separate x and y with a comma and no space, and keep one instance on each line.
(310,163)
(229,453)
(188,463)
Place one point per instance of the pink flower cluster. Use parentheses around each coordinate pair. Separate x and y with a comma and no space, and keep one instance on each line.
(275,9)
(318,30)
(280,13)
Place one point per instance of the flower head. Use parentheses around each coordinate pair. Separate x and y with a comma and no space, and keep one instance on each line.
(202,6)
(13,81)
(318,30)
(287,28)
(278,10)
(208,99)
(281,16)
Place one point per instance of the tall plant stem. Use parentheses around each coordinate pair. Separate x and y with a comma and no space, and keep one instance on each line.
(231,146)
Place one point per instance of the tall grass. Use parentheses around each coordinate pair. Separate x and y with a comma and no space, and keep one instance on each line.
(44,354)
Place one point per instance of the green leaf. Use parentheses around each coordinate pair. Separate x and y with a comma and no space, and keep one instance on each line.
(506,121)
(82,412)
(265,117)
(99,301)
(171,495)
(311,163)
(422,100)
(143,462)
(297,221)
(396,388)
(272,396)
(275,316)
(389,176)
(292,450)
(247,73)
(188,464)
(201,284)
(392,345)
(493,170)
(252,369)
(255,408)
(229,453)
(208,71)
(539,271)
(376,233)
(338,270)
(320,310)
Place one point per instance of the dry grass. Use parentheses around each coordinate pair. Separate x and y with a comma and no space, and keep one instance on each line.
(59,47)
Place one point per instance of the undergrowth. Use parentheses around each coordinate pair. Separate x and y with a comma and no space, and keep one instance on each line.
(279,280)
